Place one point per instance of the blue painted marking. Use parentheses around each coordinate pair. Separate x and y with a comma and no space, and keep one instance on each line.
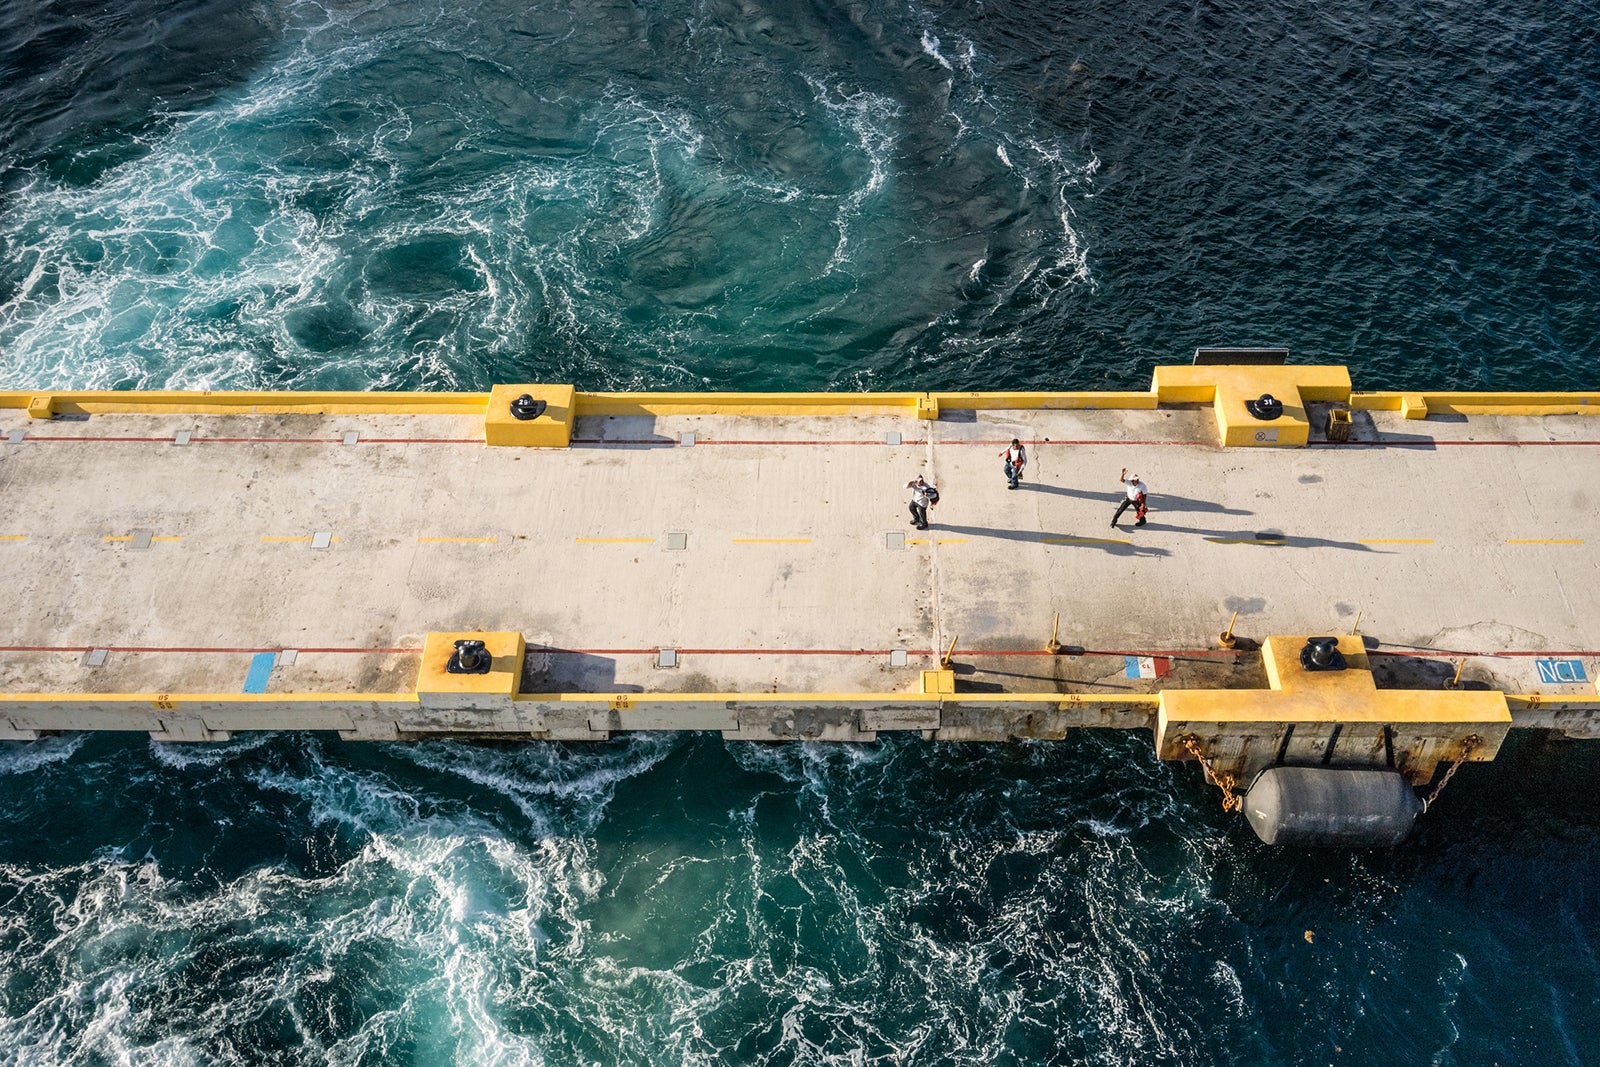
(1130,666)
(1561,671)
(260,670)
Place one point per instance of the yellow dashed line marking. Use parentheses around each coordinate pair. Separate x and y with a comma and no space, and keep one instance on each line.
(460,540)
(13,537)
(772,540)
(1397,541)
(614,540)
(1248,540)
(1513,541)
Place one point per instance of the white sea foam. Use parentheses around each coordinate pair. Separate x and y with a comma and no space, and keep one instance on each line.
(534,775)
(22,757)
(1232,989)
(237,250)
(959,59)
(178,754)
(869,119)
(437,919)
(513,936)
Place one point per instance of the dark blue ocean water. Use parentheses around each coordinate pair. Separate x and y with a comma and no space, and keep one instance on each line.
(737,194)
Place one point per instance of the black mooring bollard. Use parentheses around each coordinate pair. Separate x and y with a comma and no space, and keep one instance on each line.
(1266,407)
(525,407)
(470,657)
(1322,654)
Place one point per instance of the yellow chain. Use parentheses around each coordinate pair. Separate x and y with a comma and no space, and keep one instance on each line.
(1224,782)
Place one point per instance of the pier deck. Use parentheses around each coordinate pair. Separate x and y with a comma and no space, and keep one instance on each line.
(163,553)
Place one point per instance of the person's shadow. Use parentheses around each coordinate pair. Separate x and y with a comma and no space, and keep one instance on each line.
(1268,538)
(1107,542)
(1112,499)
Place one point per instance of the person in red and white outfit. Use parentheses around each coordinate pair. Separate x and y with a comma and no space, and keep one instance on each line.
(1016,458)
(1137,494)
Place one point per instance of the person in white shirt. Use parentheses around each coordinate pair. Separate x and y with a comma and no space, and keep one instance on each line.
(1016,458)
(1137,492)
(922,496)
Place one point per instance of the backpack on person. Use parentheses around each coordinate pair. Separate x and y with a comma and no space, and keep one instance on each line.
(932,493)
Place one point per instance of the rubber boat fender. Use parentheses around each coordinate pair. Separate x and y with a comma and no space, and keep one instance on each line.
(1348,807)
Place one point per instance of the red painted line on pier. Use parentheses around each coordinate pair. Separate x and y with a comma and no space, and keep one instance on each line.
(1447,444)
(167,440)
(193,648)
(335,441)
(623,444)
(1004,441)
(265,440)
(1452,654)
(666,442)
(1168,653)
(670,443)
(879,652)
(718,651)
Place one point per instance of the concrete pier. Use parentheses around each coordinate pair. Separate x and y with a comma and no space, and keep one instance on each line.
(196,564)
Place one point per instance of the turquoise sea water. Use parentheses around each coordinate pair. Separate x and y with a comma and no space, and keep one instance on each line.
(776,196)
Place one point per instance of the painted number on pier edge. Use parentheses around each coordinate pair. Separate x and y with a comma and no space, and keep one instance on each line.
(164,702)
(1561,671)
(621,703)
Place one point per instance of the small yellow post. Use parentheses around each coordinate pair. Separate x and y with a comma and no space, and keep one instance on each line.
(1226,640)
(950,651)
(1457,679)
(1053,646)
(1357,625)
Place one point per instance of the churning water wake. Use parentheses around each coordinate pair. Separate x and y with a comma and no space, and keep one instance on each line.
(728,194)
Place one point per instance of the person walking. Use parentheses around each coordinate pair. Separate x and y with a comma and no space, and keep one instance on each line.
(1016,458)
(923,496)
(1136,499)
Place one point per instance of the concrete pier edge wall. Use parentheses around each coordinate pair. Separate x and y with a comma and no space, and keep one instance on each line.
(1241,731)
